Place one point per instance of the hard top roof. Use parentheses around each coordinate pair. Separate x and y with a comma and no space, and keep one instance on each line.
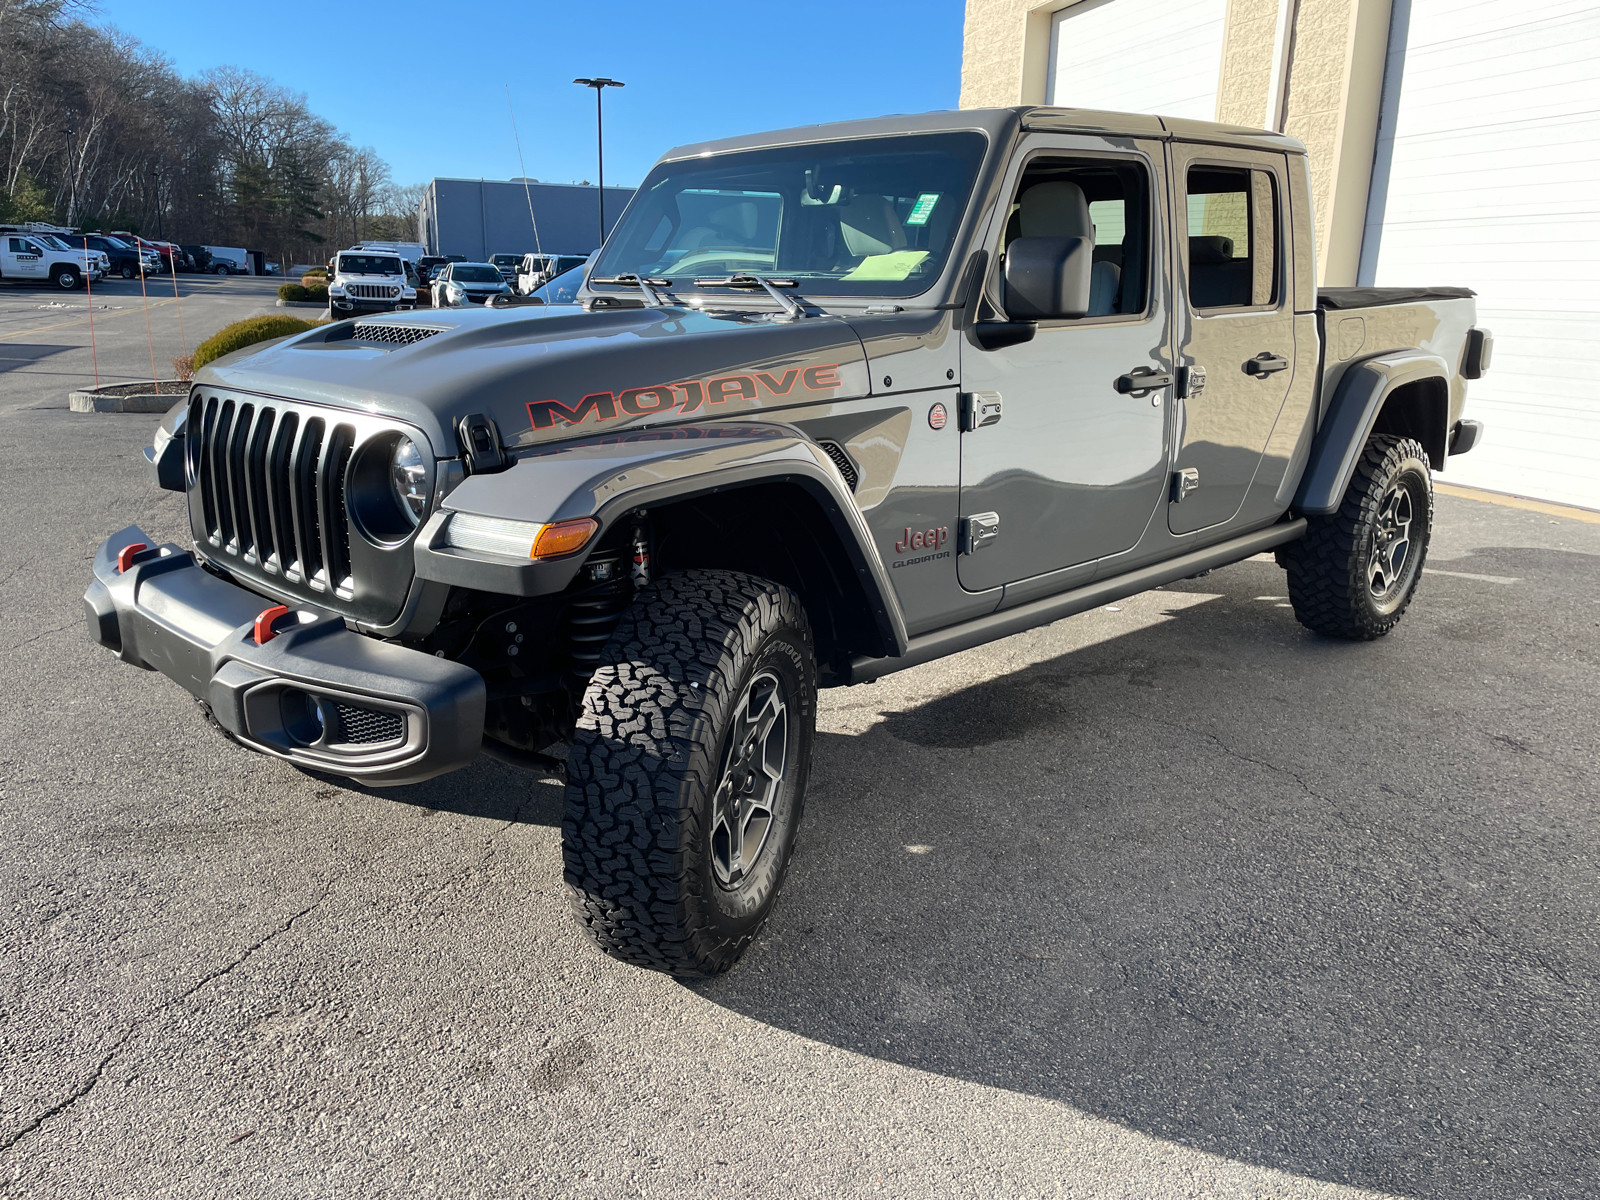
(1000,122)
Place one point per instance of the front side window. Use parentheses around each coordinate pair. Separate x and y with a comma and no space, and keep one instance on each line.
(874,217)
(1104,199)
(1233,221)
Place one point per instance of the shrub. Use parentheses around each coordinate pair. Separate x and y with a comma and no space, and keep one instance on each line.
(246,333)
(183,367)
(291,291)
(323,271)
(301,293)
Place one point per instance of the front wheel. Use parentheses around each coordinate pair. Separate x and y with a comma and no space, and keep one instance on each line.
(68,279)
(222,269)
(1354,572)
(688,770)
(128,272)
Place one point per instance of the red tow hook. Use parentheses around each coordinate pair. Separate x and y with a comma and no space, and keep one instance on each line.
(264,631)
(125,555)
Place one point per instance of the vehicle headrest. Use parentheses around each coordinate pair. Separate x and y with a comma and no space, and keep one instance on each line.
(1210,251)
(870,225)
(1055,209)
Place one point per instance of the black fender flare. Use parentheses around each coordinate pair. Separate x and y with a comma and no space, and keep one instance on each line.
(611,476)
(1360,397)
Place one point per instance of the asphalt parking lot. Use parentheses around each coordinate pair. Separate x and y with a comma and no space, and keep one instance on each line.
(1172,899)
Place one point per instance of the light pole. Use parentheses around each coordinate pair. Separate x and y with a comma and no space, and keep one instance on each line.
(72,178)
(599,84)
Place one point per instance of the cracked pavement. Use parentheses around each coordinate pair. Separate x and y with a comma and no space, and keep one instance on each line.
(1168,900)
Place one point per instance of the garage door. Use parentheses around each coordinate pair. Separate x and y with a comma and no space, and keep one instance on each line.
(1494,182)
(1146,56)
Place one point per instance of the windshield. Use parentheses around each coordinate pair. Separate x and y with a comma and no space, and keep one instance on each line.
(463,274)
(50,240)
(505,260)
(867,218)
(368,264)
(116,243)
(563,289)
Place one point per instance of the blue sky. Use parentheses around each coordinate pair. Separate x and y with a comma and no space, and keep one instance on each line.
(424,83)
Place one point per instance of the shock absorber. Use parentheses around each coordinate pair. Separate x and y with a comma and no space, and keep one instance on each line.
(593,613)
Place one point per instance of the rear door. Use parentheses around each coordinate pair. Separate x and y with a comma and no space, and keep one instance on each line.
(1236,325)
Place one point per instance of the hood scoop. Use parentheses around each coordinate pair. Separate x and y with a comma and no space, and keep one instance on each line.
(393,335)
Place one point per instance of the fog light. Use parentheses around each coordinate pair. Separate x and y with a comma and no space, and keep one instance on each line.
(302,717)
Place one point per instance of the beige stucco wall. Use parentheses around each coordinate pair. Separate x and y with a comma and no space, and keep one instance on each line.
(1334,80)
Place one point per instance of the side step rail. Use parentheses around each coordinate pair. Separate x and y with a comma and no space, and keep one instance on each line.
(1024,617)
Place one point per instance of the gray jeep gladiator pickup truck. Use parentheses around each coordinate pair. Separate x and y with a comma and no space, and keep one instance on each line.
(833,402)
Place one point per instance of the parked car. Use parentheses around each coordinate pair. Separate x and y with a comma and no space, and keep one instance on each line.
(1017,364)
(228,260)
(507,265)
(162,250)
(122,258)
(535,270)
(468,283)
(199,256)
(365,282)
(30,256)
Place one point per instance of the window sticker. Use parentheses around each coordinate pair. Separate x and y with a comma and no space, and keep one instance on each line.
(922,209)
(892,267)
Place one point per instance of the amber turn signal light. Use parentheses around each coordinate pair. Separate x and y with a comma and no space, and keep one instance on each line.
(564,537)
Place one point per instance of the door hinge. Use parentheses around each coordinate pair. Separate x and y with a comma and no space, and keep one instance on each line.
(1191,382)
(1184,482)
(978,530)
(979,409)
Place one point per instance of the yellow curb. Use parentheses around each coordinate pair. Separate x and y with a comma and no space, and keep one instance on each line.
(1587,515)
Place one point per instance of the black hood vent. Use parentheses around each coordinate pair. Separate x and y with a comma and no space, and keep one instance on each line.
(393,335)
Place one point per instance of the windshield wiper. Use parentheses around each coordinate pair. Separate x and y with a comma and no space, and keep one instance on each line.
(645,284)
(793,310)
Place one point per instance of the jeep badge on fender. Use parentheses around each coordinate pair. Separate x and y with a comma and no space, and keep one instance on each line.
(643,529)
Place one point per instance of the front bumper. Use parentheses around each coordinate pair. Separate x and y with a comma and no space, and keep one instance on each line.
(314,692)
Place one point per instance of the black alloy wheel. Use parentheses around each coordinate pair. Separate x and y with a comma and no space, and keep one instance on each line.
(686,777)
(1355,571)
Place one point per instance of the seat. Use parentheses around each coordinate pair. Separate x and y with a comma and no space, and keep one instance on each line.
(1216,278)
(1059,208)
(871,226)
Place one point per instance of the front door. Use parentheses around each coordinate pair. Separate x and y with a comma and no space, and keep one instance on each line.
(23,259)
(1237,335)
(1074,468)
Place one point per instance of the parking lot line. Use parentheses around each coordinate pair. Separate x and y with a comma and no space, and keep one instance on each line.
(1469,575)
(1587,515)
(83,320)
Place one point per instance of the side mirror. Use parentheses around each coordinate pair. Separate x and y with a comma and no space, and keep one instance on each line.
(1048,277)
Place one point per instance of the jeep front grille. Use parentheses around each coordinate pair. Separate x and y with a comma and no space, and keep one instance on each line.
(271,478)
(371,291)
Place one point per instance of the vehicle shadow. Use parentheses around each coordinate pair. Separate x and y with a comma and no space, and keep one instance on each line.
(1319,906)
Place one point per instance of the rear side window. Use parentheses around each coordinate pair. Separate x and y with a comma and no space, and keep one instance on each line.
(1233,243)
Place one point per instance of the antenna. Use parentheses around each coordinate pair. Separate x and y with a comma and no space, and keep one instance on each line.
(526,190)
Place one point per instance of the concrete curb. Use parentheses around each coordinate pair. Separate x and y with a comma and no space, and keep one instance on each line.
(138,402)
(301,304)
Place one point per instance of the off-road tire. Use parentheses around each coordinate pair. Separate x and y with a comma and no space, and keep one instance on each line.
(1331,567)
(651,753)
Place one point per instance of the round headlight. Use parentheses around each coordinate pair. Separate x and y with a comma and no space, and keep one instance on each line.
(408,473)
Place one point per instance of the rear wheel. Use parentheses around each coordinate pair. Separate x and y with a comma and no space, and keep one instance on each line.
(222,269)
(687,774)
(1354,573)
